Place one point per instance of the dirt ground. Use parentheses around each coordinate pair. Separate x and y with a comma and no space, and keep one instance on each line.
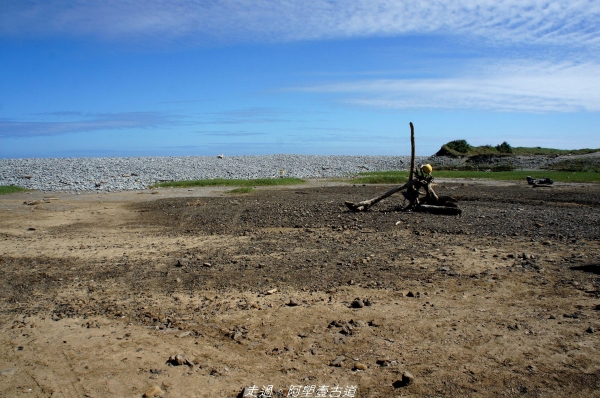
(99,291)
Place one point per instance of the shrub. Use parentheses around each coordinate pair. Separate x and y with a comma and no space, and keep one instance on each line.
(504,148)
(461,146)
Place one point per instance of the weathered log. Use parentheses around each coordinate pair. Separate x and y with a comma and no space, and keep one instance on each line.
(365,204)
(447,210)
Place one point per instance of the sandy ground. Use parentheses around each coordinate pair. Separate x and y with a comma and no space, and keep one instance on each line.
(100,290)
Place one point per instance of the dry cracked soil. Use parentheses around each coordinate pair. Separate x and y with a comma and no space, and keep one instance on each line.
(201,293)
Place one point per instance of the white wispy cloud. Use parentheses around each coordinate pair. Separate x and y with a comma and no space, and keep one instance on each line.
(571,22)
(243,116)
(84,123)
(520,87)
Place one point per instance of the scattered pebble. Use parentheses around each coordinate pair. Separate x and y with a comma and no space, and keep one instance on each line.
(407,378)
(7,372)
(360,366)
(337,361)
(293,302)
(357,303)
(153,392)
(178,360)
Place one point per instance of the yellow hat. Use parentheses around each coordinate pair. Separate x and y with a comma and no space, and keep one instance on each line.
(427,169)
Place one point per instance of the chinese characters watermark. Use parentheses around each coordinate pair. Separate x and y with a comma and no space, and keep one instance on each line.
(302,391)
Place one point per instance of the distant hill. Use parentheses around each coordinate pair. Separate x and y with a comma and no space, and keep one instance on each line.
(460,148)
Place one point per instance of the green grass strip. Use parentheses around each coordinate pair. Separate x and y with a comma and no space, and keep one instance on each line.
(395,177)
(4,189)
(242,190)
(230,183)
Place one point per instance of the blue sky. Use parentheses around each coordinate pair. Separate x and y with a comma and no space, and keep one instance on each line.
(170,78)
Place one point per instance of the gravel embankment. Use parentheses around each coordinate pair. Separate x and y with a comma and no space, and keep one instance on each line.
(119,174)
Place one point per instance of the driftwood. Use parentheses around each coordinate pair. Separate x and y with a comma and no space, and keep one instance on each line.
(418,191)
(412,152)
(365,204)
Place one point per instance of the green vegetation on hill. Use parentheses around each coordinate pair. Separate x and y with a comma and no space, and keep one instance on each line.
(458,148)
(229,183)
(10,189)
(590,165)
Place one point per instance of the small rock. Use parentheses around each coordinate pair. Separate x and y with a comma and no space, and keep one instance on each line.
(339,339)
(444,269)
(346,330)
(410,294)
(31,229)
(360,366)
(272,291)
(303,335)
(407,378)
(153,392)
(293,302)
(590,329)
(552,316)
(207,264)
(337,361)
(182,262)
(7,372)
(357,303)
(385,361)
(178,360)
